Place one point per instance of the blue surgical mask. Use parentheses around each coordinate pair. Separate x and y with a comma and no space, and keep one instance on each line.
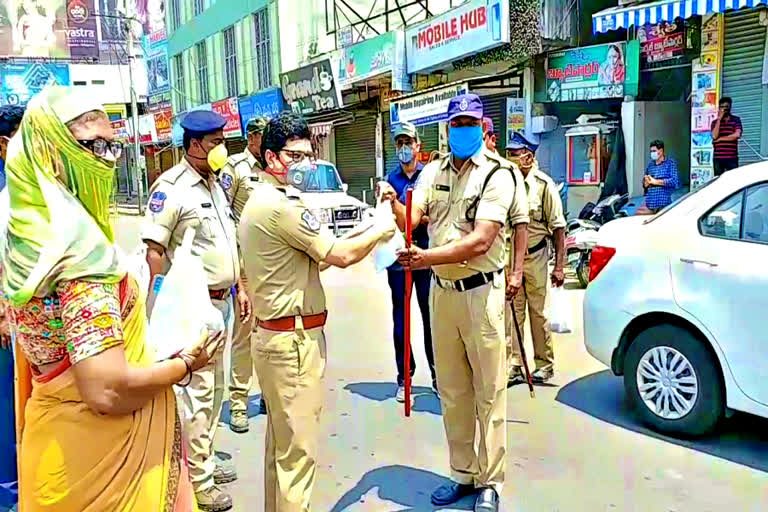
(654,155)
(405,154)
(465,141)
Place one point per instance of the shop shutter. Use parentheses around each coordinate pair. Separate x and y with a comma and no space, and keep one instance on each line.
(429,142)
(494,107)
(356,154)
(742,73)
(235,146)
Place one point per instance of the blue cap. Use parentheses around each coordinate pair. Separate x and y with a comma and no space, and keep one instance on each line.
(465,105)
(518,141)
(203,121)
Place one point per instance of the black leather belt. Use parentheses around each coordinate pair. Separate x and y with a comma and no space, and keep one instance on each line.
(539,246)
(468,283)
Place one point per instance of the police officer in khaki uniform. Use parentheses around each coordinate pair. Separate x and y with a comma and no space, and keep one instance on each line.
(189,196)
(547,222)
(284,250)
(469,196)
(238,178)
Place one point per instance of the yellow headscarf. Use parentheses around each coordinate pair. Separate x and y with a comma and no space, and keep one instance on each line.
(59,227)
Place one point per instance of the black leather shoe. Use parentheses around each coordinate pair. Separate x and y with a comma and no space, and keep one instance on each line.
(451,493)
(487,501)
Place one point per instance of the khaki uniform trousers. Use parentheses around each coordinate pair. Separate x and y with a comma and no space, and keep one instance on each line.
(534,294)
(290,367)
(201,403)
(468,340)
(241,364)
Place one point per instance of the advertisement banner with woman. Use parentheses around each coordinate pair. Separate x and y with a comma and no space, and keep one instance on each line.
(593,72)
(48,28)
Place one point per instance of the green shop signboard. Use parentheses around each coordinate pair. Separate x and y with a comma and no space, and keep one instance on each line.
(593,72)
(372,57)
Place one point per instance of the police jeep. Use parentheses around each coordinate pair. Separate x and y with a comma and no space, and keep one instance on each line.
(326,196)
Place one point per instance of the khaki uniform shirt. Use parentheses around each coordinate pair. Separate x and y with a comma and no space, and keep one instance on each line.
(444,193)
(282,247)
(179,199)
(546,207)
(238,178)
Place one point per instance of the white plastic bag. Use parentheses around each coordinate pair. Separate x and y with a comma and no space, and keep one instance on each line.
(136,265)
(385,253)
(182,308)
(560,314)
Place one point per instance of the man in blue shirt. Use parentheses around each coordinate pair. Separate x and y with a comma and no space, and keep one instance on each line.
(403,177)
(10,118)
(661,178)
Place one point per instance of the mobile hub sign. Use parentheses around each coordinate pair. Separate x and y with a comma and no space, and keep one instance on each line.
(474,26)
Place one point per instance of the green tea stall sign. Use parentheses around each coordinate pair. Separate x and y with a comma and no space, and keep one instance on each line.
(593,72)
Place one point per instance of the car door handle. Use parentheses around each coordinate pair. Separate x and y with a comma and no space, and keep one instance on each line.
(693,262)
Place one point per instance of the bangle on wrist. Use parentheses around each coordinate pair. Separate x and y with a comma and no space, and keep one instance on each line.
(187,374)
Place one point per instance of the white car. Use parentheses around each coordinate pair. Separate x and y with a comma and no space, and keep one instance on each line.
(678,305)
(326,196)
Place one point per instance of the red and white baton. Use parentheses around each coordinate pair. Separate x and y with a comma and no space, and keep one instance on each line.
(408,284)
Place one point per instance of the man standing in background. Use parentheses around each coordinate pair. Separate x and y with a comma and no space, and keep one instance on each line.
(403,177)
(189,196)
(726,132)
(489,136)
(238,179)
(546,221)
(10,118)
(661,178)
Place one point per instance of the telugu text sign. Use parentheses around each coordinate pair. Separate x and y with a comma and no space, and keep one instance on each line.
(589,73)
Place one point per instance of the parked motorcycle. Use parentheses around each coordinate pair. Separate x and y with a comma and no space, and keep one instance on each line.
(582,232)
(592,216)
(578,249)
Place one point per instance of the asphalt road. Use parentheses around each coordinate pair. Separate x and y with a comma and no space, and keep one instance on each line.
(575,447)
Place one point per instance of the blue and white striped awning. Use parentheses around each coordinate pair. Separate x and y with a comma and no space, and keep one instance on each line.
(667,10)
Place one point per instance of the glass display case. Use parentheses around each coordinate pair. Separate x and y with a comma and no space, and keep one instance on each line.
(588,154)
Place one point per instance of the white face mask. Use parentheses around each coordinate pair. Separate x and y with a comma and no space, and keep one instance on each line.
(654,155)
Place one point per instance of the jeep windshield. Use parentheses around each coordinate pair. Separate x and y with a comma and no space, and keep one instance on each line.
(325,179)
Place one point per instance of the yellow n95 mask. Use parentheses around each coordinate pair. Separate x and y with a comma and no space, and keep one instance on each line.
(217,157)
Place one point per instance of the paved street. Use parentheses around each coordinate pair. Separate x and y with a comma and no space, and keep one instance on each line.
(574,448)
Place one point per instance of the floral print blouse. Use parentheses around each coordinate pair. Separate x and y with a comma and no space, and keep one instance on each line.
(80,320)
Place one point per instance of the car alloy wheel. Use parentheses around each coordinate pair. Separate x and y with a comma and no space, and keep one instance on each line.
(673,381)
(667,383)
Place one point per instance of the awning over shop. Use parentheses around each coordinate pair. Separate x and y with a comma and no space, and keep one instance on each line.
(667,10)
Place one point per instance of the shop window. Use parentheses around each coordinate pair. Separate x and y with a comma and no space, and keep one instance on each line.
(584,158)
(262,49)
(202,72)
(230,62)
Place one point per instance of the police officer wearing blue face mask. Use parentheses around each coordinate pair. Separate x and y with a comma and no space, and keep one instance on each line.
(404,176)
(471,197)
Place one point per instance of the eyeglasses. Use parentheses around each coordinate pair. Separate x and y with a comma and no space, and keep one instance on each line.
(99,147)
(298,156)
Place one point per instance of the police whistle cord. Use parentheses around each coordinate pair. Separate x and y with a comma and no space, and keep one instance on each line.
(408,285)
(522,348)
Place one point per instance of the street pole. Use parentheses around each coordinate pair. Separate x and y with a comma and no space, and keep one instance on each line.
(135,115)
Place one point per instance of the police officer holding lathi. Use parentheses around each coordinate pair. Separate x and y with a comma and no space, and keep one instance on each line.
(189,196)
(547,222)
(238,179)
(284,250)
(469,195)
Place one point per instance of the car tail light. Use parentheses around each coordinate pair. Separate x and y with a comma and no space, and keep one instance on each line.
(599,259)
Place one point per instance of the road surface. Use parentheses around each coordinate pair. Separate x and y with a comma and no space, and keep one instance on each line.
(575,447)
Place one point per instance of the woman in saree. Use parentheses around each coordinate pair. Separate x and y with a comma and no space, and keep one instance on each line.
(100,429)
